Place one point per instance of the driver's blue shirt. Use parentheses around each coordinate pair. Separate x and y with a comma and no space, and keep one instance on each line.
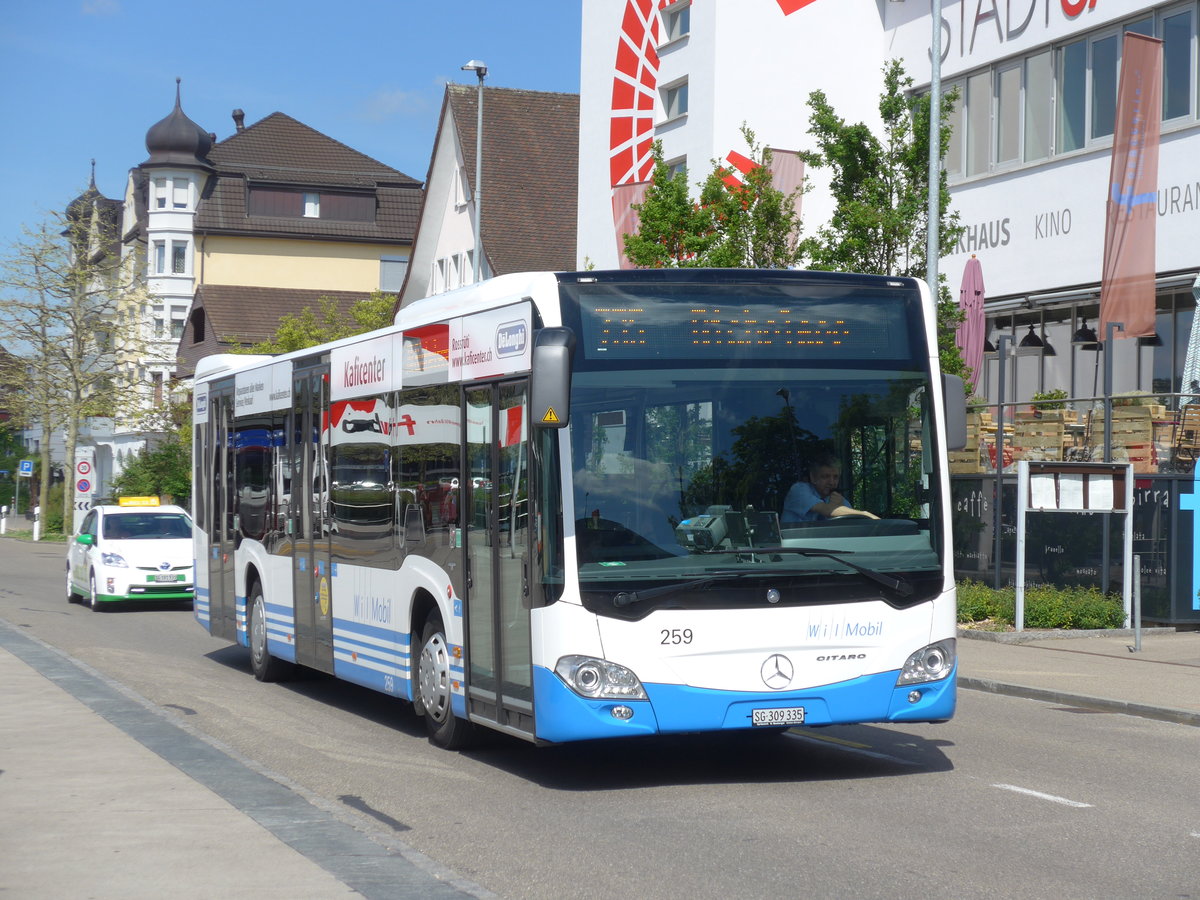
(799,503)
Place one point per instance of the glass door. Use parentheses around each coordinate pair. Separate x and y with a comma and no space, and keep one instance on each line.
(496,525)
(312,576)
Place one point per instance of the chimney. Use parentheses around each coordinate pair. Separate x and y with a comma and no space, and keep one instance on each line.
(239,119)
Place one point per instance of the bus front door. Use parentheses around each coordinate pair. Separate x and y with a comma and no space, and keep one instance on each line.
(495,519)
(222,611)
(312,575)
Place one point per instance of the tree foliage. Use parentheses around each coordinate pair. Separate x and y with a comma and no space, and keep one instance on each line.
(880,187)
(71,311)
(307,328)
(162,471)
(735,223)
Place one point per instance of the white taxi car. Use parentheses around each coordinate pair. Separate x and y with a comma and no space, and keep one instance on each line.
(137,550)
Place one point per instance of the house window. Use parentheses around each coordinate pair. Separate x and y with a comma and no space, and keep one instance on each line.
(177,326)
(675,100)
(160,193)
(392,270)
(312,206)
(462,191)
(1177,65)
(1072,94)
(198,326)
(158,326)
(677,167)
(979,118)
(178,257)
(179,198)
(160,257)
(1039,114)
(156,380)
(677,20)
(1008,116)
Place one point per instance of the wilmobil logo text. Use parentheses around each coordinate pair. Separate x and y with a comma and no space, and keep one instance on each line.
(511,338)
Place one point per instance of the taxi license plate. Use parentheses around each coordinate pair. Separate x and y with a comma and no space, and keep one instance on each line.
(161,578)
(788,715)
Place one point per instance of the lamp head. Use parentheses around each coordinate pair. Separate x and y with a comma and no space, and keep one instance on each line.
(478,66)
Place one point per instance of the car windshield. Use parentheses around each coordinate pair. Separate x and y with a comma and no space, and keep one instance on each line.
(147,526)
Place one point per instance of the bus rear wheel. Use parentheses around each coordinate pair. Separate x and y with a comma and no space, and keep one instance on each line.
(265,666)
(434,689)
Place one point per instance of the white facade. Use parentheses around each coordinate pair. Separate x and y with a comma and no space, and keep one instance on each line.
(1030,160)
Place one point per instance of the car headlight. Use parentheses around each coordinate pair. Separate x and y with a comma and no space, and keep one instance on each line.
(114,559)
(932,663)
(599,679)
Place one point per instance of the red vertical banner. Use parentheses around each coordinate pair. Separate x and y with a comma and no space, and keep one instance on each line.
(1127,282)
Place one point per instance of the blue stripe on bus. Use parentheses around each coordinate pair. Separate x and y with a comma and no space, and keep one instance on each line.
(372,656)
(281,629)
(562,715)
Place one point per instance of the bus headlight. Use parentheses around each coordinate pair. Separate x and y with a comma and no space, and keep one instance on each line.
(932,663)
(599,679)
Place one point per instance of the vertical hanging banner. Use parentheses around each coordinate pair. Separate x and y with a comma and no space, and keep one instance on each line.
(1127,283)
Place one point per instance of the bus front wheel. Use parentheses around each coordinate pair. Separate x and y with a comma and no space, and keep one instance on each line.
(434,689)
(265,666)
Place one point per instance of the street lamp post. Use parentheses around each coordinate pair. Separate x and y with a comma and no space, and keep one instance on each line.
(480,69)
(1001,356)
(932,249)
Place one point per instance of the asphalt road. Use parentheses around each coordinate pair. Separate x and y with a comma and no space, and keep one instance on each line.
(1013,798)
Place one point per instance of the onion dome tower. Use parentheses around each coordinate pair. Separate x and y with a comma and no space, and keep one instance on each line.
(177,141)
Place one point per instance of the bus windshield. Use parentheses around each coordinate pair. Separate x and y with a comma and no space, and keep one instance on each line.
(694,413)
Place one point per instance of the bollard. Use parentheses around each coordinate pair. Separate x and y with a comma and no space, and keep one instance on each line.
(37,523)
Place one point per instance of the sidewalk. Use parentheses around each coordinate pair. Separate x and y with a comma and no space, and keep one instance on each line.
(1095,670)
(102,797)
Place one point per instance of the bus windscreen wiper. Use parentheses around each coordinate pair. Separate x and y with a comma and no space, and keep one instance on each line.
(627,598)
(901,586)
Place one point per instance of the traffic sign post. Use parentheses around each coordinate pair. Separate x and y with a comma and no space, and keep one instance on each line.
(85,464)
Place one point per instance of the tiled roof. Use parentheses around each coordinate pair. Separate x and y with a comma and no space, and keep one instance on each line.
(281,151)
(530,174)
(252,314)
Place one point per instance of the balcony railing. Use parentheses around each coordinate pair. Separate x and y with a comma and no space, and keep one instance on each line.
(1157,433)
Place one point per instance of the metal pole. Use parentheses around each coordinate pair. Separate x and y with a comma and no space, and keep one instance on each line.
(478,177)
(1106,551)
(1001,353)
(1137,602)
(932,250)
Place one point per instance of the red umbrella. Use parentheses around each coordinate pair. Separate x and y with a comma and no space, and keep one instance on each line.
(972,329)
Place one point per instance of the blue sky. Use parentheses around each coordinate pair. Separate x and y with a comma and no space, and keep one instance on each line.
(84,79)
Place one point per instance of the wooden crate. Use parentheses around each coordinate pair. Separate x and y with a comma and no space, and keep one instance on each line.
(1038,439)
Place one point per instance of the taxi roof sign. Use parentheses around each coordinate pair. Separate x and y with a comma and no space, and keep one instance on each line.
(137,501)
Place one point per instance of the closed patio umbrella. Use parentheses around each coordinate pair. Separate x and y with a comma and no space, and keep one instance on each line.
(972,329)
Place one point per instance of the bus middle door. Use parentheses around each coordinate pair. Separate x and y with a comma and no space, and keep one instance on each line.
(496,521)
(312,575)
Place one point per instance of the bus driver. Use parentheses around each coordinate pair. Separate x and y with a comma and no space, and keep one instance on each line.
(818,498)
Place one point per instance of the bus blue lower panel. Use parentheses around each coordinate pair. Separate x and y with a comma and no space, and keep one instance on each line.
(562,715)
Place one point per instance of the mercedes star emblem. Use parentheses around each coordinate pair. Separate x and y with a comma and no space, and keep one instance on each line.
(777,672)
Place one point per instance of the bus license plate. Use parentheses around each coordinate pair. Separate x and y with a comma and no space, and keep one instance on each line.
(161,578)
(788,715)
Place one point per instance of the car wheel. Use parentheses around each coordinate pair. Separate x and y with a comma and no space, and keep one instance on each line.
(434,689)
(265,666)
(72,594)
(94,594)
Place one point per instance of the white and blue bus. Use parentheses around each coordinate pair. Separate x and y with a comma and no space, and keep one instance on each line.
(549,504)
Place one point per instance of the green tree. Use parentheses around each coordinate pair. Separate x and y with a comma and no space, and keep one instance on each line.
(165,470)
(70,311)
(733,224)
(327,323)
(880,187)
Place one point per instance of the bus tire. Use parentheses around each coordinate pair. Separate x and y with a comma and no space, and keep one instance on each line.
(434,691)
(265,666)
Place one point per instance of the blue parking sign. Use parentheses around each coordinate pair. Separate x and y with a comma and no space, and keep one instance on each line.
(26,468)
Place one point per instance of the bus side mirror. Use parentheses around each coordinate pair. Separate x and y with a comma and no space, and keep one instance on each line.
(954,395)
(550,390)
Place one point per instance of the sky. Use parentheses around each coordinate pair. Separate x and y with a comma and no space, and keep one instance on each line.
(86,79)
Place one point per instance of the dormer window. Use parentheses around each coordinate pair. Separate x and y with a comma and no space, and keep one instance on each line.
(312,206)
(334,206)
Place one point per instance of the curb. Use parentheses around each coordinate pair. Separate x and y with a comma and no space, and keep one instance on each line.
(1161,713)
(1048,634)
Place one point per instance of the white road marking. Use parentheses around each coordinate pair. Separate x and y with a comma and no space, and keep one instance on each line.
(1051,797)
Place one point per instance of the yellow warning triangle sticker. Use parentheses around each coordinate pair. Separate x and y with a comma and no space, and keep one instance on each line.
(551,417)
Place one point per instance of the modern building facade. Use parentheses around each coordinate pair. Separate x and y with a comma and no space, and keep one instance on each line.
(1028,167)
